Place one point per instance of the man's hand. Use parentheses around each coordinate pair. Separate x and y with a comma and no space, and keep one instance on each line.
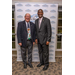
(33,43)
(36,40)
(47,43)
(20,44)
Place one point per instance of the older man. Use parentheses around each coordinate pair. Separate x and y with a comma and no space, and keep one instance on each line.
(26,39)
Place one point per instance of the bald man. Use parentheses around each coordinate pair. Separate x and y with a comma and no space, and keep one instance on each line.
(26,39)
(43,38)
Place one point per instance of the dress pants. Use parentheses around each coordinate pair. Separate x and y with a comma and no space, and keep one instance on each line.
(29,46)
(43,53)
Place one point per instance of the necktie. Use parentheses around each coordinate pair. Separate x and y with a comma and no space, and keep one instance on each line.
(29,33)
(28,25)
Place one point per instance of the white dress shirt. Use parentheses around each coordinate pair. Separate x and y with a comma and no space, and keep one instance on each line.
(26,24)
(40,20)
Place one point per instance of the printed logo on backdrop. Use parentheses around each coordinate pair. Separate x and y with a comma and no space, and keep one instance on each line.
(28,10)
(35,44)
(52,22)
(52,17)
(50,57)
(36,58)
(53,28)
(50,54)
(32,21)
(52,37)
(53,33)
(28,5)
(19,53)
(53,5)
(19,16)
(53,11)
(19,21)
(20,57)
(19,10)
(19,4)
(51,46)
(36,5)
(45,5)
(36,10)
(51,50)
(45,10)
(34,17)
(35,51)
(19,50)
(35,54)
(52,42)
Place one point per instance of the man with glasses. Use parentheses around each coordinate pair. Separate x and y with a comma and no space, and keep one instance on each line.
(26,39)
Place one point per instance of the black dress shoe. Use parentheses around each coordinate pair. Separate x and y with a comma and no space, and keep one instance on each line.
(25,65)
(39,65)
(30,65)
(45,67)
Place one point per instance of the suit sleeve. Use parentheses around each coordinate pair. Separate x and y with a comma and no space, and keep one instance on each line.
(35,30)
(19,33)
(49,31)
(34,34)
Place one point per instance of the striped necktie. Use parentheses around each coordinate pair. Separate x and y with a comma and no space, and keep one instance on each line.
(28,25)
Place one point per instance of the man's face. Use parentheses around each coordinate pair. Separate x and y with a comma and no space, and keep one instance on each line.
(40,13)
(27,18)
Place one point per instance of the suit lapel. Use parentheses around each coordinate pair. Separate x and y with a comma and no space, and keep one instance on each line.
(24,25)
(41,23)
(30,26)
(38,24)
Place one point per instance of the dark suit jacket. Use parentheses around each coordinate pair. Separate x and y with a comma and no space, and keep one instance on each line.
(22,33)
(44,33)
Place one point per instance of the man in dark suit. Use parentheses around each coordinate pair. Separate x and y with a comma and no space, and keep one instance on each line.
(43,37)
(26,39)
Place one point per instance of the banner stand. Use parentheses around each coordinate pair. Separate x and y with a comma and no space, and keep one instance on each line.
(51,12)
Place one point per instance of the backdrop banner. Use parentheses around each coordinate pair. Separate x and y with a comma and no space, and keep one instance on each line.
(51,12)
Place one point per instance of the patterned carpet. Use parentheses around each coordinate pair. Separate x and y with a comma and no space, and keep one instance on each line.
(55,68)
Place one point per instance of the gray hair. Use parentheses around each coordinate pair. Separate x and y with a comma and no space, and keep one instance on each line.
(26,14)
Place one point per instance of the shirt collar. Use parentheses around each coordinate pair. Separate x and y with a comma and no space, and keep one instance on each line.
(26,23)
(41,18)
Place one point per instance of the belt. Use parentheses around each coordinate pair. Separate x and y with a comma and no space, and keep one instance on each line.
(28,39)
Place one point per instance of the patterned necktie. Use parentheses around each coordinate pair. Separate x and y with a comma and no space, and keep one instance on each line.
(29,33)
